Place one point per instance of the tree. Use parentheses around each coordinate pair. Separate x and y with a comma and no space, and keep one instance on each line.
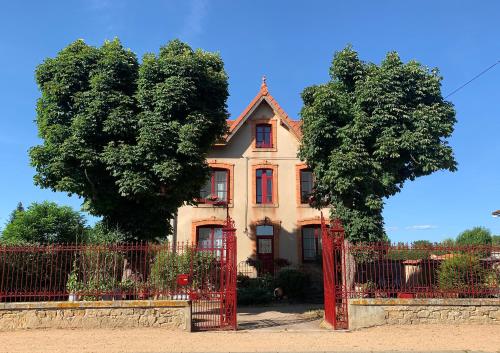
(45,223)
(19,208)
(129,138)
(475,236)
(370,129)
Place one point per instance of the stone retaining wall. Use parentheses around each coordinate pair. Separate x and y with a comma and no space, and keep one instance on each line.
(375,312)
(168,314)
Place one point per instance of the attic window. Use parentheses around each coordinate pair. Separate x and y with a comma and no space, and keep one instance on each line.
(263,136)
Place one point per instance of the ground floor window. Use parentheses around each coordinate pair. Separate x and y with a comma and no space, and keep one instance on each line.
(209,237)
(311,242)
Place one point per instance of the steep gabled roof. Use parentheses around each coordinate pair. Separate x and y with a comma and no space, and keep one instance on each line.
(293,125)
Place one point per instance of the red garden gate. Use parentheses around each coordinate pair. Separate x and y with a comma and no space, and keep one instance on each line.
(214,303)
(334,274)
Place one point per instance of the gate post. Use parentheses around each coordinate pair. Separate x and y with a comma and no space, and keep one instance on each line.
(229,305)
(334,274)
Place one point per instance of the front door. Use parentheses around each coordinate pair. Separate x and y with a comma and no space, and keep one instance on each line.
(265,248)
(265,254)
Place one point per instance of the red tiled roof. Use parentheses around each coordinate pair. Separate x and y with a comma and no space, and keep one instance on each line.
(264,94)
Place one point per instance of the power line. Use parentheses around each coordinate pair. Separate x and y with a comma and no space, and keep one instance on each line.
(472,79)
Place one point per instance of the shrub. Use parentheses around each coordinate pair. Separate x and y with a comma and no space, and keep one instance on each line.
(293,283)
(254,295)
(474,236)
(461,273)
(168,265)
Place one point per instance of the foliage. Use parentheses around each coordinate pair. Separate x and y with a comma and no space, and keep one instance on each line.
(103,234)
(495,240)
(461,273)
(168,265)
(254,296)
(252,291)
(129,138)
(19,209)
(45,223)
(474,236)
(370,129)
(293,282)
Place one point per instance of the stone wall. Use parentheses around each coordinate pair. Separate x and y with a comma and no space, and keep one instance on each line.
(167,314)
(375,312)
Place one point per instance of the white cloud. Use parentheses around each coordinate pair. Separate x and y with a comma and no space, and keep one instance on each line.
(392,229)
(421,227)
(193,24)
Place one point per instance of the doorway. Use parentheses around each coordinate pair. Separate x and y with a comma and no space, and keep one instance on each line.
(265,248)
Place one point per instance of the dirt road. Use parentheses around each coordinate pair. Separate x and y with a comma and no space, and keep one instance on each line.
(395,338)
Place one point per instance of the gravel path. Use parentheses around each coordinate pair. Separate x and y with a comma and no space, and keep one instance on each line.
(422,338)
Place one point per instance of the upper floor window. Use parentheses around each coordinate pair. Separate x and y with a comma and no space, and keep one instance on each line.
(216,187)
(263,136)
(264,186)
(306,185)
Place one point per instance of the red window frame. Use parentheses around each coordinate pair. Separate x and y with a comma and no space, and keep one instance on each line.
(264,184)
(263,136)
(304,198)
(213,190)
(317,242)
(212,238)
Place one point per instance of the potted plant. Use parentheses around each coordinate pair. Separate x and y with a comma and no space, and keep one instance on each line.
(73,286)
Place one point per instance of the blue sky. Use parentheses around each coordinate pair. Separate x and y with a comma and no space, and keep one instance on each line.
(292,42)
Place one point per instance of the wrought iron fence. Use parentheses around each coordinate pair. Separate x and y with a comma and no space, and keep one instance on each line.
(96,272)
(422,271)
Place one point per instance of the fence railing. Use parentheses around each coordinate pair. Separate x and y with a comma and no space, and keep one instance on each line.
(95,272)
(421,271)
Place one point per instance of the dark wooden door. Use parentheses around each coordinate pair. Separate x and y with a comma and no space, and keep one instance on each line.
(265,253)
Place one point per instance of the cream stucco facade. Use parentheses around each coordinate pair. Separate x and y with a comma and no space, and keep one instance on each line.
(240,156)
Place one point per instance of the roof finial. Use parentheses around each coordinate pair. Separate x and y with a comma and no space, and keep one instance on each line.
(263,86)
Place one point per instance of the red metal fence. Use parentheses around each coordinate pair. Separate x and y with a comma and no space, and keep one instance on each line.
(206,276)
(420,270)
(423,271)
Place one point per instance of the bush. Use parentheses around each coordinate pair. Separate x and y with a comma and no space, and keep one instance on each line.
(475,236)
(101,234)
(293,283)
(45,223)
(254,296)
(461,273)
(168,265)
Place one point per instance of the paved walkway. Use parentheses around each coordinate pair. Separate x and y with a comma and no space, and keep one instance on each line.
(303,318)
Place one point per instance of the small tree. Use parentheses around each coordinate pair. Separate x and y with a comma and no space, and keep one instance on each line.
(45,223)
(370,129)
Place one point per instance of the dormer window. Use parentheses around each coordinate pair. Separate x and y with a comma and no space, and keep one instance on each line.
(263,136)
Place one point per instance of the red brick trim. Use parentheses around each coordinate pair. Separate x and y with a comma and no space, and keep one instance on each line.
(204,222)
(265,165)
(298,168)
(274,130)
(276,235)
(301,223)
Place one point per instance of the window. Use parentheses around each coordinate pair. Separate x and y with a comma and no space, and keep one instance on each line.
(306,185)
(216,187)
(264,231)
(263,136)
(264,186)
(311,243)
(209,238)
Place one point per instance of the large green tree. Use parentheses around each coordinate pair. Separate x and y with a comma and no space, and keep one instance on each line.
(129,138)
(370,129)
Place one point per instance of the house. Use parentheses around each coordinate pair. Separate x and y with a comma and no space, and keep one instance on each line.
(256,170)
